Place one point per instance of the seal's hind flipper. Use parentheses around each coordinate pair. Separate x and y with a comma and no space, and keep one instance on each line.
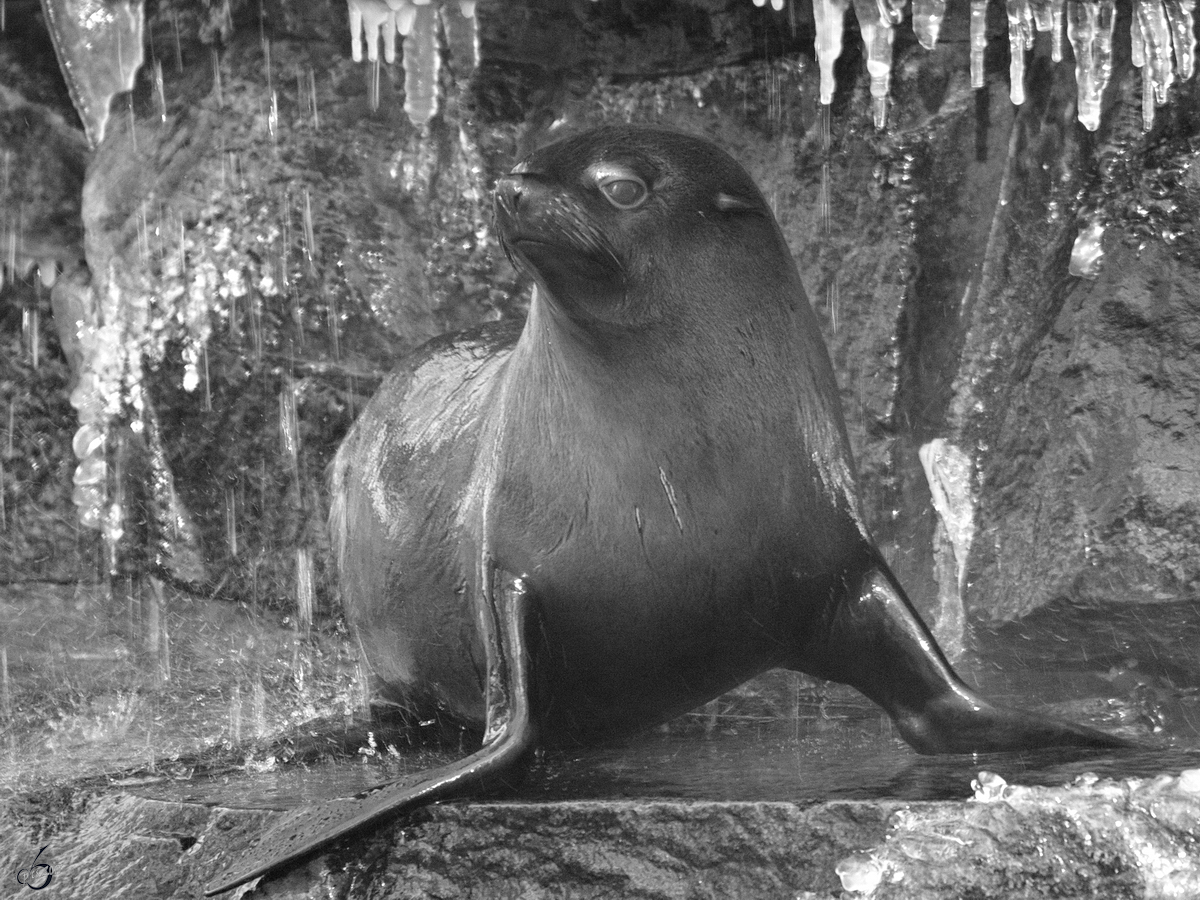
(875,641)
(510,736)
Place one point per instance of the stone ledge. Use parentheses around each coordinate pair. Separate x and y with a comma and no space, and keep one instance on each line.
(1127,839)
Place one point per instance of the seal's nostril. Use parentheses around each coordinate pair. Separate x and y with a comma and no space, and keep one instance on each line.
(509,189)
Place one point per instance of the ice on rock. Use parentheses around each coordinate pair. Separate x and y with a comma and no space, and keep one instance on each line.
(1087,252)
(949,472)
(989,787)
(927,19)
(99,47)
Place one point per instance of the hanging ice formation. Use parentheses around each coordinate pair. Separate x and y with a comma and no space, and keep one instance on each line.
(99,47)
(1090,30)
(1159,30)
(416,21)
(829,16)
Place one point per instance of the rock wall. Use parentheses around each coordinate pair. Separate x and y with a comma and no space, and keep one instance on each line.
(270,241)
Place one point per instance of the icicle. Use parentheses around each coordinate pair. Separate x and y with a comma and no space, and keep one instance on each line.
(978,41)
(1150,34)
(1020,39)
(462,37)
(1156,33)
(877,36)
(891,12)
(1090,30)
(1183,34)
(1137,47)
(99,47)
(1042,16)
(927,21)
(421,63)
(417,22)
(370,20)
(406,14)
(829,16)
(1056,29)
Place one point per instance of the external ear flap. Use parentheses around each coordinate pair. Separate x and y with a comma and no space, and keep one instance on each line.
(731,204)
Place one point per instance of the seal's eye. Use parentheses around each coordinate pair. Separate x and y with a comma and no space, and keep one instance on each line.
(625,191)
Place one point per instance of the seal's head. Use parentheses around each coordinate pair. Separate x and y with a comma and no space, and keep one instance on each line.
(594,217)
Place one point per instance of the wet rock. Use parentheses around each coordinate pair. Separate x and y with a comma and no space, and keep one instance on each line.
(1129,839)
(1134,838)
(1089,488)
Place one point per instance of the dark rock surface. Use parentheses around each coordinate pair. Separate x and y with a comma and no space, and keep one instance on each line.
(1103,839)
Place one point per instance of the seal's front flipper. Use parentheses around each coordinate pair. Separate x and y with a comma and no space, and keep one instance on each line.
(875,641)
(510,737)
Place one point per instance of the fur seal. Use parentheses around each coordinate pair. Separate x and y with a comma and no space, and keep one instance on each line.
(636,501)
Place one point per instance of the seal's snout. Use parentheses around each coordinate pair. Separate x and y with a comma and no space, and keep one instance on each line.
(519,191)
(509,189)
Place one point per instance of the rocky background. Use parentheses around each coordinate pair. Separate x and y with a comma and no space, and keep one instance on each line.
(263,232)
(278,243)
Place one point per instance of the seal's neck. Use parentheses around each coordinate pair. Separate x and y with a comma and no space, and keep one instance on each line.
(752,392)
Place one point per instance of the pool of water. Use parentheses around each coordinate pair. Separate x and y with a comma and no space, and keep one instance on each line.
(227,720)
(802,762)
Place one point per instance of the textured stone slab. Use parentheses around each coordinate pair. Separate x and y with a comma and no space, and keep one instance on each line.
(1129,839)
